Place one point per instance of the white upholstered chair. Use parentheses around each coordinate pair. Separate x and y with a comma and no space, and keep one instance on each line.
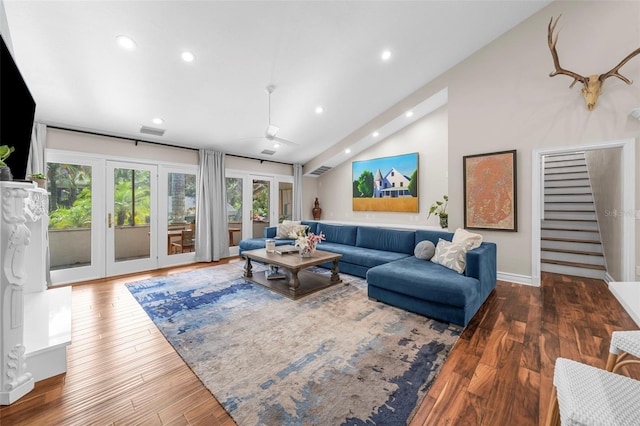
(585,395)
(624,344)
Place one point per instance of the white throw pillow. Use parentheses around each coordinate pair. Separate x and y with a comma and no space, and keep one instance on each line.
(286,228)
(452,255)
(462,235)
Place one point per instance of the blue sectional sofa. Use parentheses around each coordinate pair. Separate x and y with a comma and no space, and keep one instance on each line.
(395,276)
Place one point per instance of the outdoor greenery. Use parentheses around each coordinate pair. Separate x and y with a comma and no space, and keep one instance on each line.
(234,199)
(260,200)
(70,201)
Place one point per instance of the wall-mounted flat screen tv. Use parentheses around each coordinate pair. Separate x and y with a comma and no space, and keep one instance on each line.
(17,110)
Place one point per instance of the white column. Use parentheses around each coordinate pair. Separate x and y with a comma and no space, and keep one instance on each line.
(15,380)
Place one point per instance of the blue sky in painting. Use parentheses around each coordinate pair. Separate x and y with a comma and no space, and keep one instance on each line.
(405,164)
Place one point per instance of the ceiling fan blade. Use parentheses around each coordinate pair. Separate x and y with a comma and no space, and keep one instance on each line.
(286,142)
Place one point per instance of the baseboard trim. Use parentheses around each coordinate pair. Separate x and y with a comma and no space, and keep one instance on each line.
(517,279)
(608,278)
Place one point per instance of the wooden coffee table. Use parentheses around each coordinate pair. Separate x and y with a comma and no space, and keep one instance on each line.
(298,281)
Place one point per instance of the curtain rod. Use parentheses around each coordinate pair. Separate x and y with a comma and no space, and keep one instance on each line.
(136,141)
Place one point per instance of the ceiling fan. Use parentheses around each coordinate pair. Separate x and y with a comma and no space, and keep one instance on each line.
(272,130)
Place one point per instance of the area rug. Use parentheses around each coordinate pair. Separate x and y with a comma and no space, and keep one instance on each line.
(331,358)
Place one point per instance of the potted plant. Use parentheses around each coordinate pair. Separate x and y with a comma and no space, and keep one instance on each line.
(5,171)
(39,178)
(439,208)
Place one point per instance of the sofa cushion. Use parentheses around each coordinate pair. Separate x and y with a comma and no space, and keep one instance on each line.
(312,227)
(386,239)
(425,280)
(433,236)
(452,255)
(341,234)
(360,255)
(424,250)
(462,235)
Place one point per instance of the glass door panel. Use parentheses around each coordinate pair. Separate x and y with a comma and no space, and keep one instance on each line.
(260,215)
(181,213)
(285,201)
(131,232)
(76,243)
(234,209)
(70,209)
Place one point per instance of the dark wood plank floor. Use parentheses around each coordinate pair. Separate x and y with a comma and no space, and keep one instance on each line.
(122,371)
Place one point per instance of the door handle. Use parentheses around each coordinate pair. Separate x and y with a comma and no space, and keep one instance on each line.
(110,222)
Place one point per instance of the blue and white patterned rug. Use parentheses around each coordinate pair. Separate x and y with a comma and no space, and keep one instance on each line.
(331,358)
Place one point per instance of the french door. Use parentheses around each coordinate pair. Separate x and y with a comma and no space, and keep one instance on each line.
(132,225)
(111,217)
(255,202)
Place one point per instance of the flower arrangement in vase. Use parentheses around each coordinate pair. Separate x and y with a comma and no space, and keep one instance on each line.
(307,243)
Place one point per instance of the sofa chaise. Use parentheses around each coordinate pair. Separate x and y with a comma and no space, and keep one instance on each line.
(385,257)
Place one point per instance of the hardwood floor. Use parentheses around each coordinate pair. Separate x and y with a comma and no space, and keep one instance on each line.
(121,370)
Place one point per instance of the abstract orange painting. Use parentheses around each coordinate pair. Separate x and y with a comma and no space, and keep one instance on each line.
(490,191)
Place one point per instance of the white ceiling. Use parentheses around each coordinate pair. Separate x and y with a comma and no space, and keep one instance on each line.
(315,53)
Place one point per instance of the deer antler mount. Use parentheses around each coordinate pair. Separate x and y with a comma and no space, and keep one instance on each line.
(591,85)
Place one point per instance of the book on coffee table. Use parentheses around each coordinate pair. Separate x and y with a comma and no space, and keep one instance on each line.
(288,249)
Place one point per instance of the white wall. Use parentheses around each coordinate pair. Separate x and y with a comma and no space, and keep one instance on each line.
(427,137)
(605,173)
(502,98)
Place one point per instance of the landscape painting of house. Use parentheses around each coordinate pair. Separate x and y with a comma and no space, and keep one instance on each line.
(388,184)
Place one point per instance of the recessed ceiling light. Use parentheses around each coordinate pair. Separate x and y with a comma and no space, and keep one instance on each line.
(386,55)
(347,151)
(375,134)
(188,56)
(126,42)
(276,145)
(158,120)
(319,109)
(409,114)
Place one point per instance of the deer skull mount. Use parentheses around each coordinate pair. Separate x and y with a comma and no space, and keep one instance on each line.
(591,85)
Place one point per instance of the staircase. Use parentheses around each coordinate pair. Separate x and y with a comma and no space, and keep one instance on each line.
(570,238)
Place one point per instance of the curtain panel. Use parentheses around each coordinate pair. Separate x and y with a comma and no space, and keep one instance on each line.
(212,236)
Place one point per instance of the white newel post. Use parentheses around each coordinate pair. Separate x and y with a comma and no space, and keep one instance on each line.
(15,380)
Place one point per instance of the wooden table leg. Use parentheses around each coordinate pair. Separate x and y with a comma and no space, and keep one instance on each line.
(335,277)
(295,282)
(247,268)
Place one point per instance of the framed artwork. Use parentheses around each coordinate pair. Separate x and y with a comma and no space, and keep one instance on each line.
(490,191)
(388,184)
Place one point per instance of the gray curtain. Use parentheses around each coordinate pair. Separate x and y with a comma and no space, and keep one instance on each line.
(212,236)
(297,192)
(37,162)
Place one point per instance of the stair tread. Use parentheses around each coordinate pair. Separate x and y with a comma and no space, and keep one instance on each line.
(574,264)
(562,167)
(556,250)
(571,220)
(570,229)
(564,180)
(570,240)
(570,193)
(568,211)
(563,173)
(568,202)
(572,186)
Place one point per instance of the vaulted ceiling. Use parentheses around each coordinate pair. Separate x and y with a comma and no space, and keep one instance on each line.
(316,53)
